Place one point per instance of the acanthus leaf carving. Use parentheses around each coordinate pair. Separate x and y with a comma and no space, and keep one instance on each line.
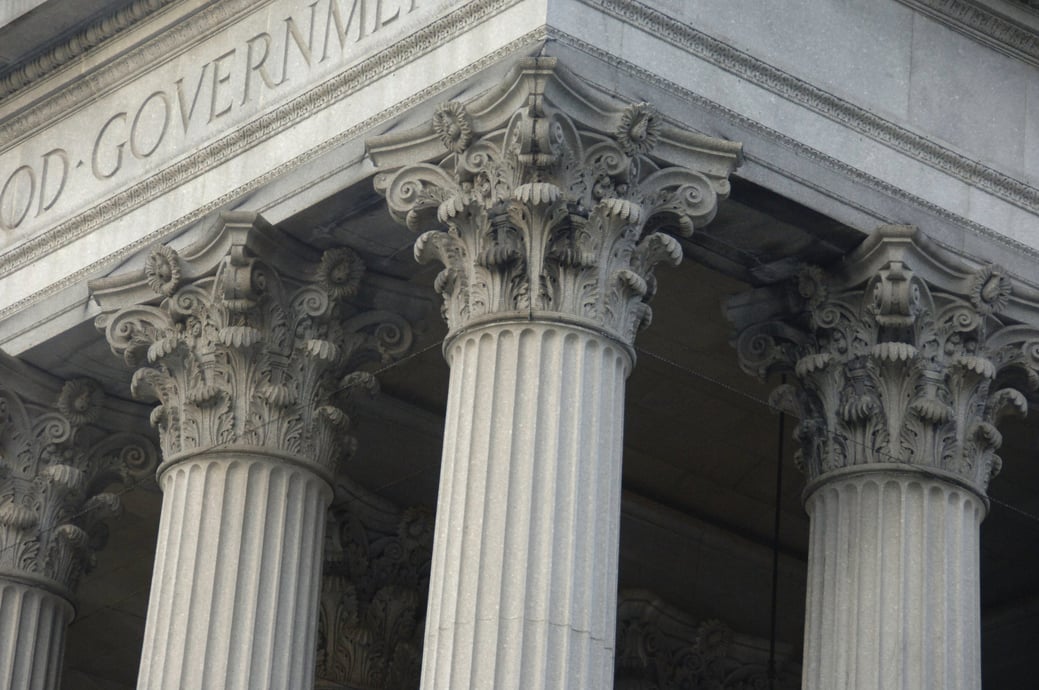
(660,648)
(373,598)
(895,369)
(247,354)
(55,472)
(535,211)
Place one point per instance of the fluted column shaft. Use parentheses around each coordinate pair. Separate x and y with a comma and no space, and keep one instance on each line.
(523,589)
(237,574)
(893,583)
(33,621)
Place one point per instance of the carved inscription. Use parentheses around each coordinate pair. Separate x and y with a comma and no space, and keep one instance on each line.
(152,126)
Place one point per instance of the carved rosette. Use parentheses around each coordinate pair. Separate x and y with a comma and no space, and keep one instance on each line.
(55,471)
(545,216)
(894,369)
(373,601)
(249,357)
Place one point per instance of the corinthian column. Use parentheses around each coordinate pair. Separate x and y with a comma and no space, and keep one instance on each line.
(904,364)
(251,353)
(55,468)
(543,208)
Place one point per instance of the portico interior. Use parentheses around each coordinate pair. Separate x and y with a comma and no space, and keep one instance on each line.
(702,445)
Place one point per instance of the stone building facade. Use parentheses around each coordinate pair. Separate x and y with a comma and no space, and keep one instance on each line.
(384,344)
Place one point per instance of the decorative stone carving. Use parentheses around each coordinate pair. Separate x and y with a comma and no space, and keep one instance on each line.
(901,357)
(538,203)
(373,599)
(249,347)
(661,648)
(55,470)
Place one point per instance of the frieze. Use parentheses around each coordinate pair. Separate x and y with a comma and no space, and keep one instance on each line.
(240,139)
(984,25)
(219,83)
(803,150)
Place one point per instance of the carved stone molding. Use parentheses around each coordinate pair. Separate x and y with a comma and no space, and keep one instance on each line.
(661,648)
(839,110)
(1015,37)
(373,599)
(55,471)
(542,201)
(902,358)
(254,342)
(79,43)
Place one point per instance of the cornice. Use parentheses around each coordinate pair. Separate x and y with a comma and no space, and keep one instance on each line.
(55,57)
(812,97)
(802,150)
(166,45)
(252,133)
(984,25)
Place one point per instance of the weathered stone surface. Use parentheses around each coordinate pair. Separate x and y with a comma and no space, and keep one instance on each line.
(57,470)
(903,362)
(251,352)
(538,214)
(545,207)
(249,356)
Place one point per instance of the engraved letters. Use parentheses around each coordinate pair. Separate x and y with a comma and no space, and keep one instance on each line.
(40,184)
(213,89)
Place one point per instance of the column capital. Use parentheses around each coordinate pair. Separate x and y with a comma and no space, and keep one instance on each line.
(903,358)
(543,200)
(659,646)
(249,340)
(55,468)
(373,599)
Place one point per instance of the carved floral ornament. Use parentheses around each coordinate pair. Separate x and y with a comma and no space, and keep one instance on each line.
(532,212)
(660,648)
(55,470)
(373,601)
(247,355)
(896,370)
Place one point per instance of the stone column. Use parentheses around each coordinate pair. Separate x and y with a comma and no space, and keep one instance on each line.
(543,212)
(904,363)
(54,471)
(250,360)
